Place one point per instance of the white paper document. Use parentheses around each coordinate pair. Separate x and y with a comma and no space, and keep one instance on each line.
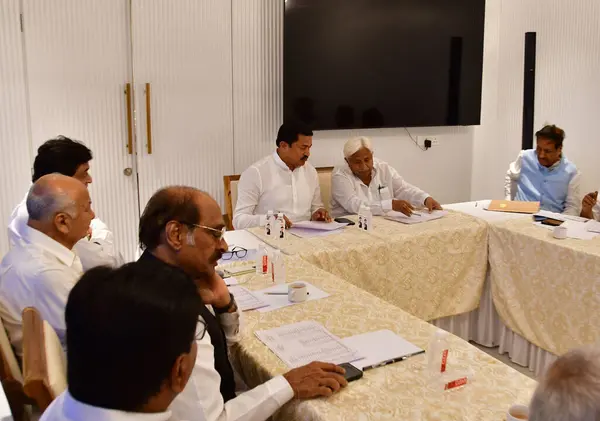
(301,343)
(231,281)
(575,229)
(310,233)
(280,300)
(593,226)
(380,348)
(415,218)
(319,225)
(246,299)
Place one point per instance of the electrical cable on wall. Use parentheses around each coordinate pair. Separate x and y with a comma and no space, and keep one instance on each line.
(416,143)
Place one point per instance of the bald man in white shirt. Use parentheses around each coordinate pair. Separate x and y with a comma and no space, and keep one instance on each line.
(72,158)
(42,268)
(283,182)
(363,179)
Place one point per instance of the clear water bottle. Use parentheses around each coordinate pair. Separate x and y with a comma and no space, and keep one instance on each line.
(277,268)
(437,353)
(262,260)
(269,224)
(367,219)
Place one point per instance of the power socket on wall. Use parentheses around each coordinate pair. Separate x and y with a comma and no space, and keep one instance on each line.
(421,140)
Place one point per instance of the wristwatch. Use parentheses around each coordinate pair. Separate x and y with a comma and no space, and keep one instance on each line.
(231,308)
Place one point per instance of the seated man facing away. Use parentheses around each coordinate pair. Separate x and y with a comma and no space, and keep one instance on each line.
(545,175)
(71,158)
(182,228)
(364,179)
(40,270)
(131,344)
(590,208)
(282,182)
(570,388)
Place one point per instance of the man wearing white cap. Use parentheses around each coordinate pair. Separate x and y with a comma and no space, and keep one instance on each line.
(365,179)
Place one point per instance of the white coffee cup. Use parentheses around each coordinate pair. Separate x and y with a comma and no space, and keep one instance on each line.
(517,413)
(560,232)
(297,292)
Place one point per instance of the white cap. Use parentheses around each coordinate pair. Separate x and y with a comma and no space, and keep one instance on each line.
(441,334)
(270,213)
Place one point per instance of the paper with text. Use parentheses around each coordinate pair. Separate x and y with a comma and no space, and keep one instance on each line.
(415,218)
(246,300)
(301,343)
(379,347)
(319,226)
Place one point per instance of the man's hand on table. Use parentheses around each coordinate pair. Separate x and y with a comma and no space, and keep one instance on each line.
(402,206)
(316,379)
(321,215)
(431,204)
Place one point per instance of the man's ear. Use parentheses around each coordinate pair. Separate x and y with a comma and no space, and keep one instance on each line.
(180,373)
(174,235)
(62,222)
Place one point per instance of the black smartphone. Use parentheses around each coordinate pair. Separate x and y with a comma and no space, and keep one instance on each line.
(352,373)
(343,221)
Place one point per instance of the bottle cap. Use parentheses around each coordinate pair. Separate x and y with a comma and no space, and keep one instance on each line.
(441,334)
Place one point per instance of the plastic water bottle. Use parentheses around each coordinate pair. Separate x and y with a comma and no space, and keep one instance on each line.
(262,260)
(437,353)
(367,219)
(269,224)
(277,268)
(280,227)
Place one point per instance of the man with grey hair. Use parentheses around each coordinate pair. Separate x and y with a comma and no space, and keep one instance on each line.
(40,270)
(363,179)
(570,388)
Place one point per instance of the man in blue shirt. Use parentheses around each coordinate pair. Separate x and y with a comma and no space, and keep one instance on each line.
(545,175)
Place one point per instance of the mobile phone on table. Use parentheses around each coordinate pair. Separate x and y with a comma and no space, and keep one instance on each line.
(352,373)
(343,221)
(552,222)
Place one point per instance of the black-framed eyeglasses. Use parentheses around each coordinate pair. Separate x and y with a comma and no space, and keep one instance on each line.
(200,330)
(237,251)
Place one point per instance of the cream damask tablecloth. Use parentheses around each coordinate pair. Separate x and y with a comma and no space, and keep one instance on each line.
(546,290)
(395,392)
(431,270)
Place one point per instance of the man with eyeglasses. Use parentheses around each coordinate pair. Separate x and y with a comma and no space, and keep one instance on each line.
(183,227)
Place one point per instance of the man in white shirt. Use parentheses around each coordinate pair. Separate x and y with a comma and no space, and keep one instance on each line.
(183,228)
(545,175)
(71,158)
(283,182)
(569,390)
(131,344)
(40,270)
(364,179)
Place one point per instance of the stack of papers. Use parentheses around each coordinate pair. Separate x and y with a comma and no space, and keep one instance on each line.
(575,229)
(309,229)
(380,348)
(593,226)
(558,216)
(415,218)
(301,343)
(246,300)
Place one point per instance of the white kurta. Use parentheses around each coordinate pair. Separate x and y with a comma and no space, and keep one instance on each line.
(37,272)
(269,185)
(348,192)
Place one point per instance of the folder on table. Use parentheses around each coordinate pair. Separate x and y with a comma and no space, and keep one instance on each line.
(514,206)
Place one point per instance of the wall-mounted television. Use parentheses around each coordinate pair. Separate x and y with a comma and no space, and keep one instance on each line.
(383,63)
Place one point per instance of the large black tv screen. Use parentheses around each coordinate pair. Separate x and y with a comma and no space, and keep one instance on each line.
(383,63)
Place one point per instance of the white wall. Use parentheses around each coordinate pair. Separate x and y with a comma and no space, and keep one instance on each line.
(444,171)
(567,85)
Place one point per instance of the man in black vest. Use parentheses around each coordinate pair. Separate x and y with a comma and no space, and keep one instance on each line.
(183,228)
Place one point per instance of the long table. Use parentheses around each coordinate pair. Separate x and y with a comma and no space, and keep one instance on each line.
(394,392)
(431,270)
(544,289)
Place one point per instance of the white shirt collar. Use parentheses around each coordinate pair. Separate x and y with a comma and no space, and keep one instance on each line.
(39,239)
(75,410)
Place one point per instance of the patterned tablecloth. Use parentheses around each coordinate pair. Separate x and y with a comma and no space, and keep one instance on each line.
(395,392)
(431,270)
(546,290)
